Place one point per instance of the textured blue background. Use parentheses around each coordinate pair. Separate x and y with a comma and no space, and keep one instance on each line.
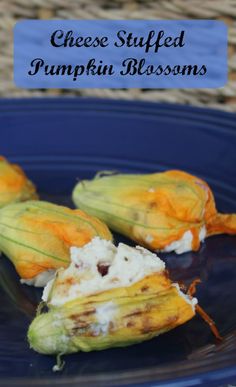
(205,43)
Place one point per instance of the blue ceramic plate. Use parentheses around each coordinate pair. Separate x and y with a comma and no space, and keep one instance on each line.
(58,141)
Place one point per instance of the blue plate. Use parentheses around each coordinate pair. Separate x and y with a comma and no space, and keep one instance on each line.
(58,141)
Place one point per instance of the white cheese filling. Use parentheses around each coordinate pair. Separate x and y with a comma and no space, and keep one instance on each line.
(125,265)
(100,266)
(39,280)
(105,314)
(184,244)
(192,301)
